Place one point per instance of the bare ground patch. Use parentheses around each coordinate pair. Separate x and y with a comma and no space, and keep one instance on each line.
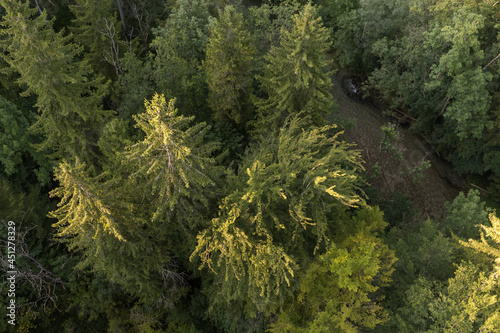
(439,183)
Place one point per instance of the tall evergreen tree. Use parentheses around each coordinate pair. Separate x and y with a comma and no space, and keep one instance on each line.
(179,49)
(105,217)
(280,210)
(173,166)
(296,77)
(68,96)
(97,219)
(228,64)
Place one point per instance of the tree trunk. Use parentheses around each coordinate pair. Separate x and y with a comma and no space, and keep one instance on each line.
(122,18)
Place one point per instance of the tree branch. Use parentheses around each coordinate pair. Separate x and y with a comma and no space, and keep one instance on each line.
(122,17)
(38,7)
(491,62)
(444,107)
(43,282)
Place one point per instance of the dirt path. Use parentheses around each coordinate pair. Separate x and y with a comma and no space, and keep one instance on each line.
(439,183)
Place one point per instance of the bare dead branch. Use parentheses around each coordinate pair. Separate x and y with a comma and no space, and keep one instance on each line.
(491,62)
(43,282)
(113,55)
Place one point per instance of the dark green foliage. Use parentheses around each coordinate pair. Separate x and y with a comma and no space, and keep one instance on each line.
(104,217)
(360,24)
(425,252)
(464,214)
(231,142)
(268,225)
(179,49)
(297,77)
(134,86)
(267,22)
(422,251)
(398,210)
(161,223)
(467,302)
(442,71)
(468,100)
(95,219)
(43,267)
(114,138)
(227,66)
(68,98)
(187,29)
(96,28)
(19,159)
(333,10)
(140,17)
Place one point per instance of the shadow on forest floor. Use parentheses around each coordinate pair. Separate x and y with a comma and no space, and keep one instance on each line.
(439,183)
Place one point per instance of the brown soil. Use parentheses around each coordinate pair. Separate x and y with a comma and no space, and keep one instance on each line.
(439,183)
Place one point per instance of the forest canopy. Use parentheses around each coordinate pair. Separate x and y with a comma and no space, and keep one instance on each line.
(181,166)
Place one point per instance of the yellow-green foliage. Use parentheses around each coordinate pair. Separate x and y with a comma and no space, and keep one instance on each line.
(279,211)
(105,218)
(337,289)
(490,240)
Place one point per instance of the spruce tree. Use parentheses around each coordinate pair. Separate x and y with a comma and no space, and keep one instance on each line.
(173,166)
(145,209)
(228,65)
(278,213)
(97,219)
(296,78)
(179,49)
(68,95)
